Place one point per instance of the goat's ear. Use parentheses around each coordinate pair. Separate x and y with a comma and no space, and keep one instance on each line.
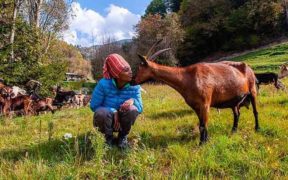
(143,60)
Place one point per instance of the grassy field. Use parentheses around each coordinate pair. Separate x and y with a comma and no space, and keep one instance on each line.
(266,59)
(164,141)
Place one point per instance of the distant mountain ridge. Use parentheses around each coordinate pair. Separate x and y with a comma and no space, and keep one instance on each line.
(87,52)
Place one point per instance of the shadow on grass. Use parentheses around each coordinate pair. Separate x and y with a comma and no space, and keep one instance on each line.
(80,148)
(53,151)
(184,134)
(170,115)
(160,141)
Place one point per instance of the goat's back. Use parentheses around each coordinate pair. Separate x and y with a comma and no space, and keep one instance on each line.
(266,77)
(220,81)
(246,70)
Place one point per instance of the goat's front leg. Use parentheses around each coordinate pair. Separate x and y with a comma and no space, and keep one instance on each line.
(6,109)
(27,107)
(203,114)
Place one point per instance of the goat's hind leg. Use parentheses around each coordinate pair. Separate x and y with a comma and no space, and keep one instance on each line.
(236,114)
(281,85)
(51,109)
(255,112)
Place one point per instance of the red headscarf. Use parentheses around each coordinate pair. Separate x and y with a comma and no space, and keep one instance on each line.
(114,64)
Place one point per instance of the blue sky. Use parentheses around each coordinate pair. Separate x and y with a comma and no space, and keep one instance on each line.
(134,6)
(93,21)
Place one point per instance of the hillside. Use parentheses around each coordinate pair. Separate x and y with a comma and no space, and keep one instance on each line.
(267,59)
(75,61)
(164,140)
(88,52)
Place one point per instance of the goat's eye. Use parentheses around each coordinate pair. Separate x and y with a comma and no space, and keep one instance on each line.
(142,63)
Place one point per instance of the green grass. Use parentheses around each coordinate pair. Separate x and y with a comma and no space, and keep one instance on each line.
(267,59)
(164,140)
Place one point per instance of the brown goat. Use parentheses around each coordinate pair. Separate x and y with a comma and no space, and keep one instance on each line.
(43,105)
(283,71)
(18,103)
(204,85)
(1,85)
(9,104)
(2,101)
(86,100)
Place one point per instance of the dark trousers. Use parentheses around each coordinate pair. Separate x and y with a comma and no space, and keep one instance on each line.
(104,120)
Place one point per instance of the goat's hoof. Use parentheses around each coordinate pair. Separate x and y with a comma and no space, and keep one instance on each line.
(202,143)
(257,129)
(234,130)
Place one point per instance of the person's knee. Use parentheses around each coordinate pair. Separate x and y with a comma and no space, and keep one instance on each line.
(129,116)
(101,113)
(101,116)
(132,114)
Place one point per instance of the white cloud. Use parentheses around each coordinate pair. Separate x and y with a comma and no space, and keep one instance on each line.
(87,25)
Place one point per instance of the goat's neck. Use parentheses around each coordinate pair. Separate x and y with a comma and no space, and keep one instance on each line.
(172,76)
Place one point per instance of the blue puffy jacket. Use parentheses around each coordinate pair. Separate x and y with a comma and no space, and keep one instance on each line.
(106,94)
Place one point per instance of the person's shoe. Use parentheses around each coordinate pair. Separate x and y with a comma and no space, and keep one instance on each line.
(109,140)
(122,142)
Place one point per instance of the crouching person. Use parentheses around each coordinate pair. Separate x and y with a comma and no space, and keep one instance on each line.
(115,103)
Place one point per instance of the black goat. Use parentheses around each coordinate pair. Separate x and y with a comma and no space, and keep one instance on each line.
(269,78)
(63,97)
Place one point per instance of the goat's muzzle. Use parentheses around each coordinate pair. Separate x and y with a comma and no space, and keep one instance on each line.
(133,82)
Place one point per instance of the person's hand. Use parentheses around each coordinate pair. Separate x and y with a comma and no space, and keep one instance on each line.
(126,105)
(116,122)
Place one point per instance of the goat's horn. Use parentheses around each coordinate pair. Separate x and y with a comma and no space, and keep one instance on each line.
(158,53)
(153,47)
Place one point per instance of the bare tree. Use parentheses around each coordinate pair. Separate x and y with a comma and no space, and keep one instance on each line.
(285,5)
(37,4)
(54,16)
(17,4)
(49,16)
(31,10)
(108,46)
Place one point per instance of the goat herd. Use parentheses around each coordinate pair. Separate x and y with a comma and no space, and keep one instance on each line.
(14,100)
(17,101)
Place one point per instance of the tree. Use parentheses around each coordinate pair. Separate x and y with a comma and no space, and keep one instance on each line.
(53,20)
(163,7)
(49,16)
(285,5)
(156,7)
(32,10)
(173,5)
(17,4)
(153,28)
(238,3)
(225,25)
(31,57)
(108,47)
